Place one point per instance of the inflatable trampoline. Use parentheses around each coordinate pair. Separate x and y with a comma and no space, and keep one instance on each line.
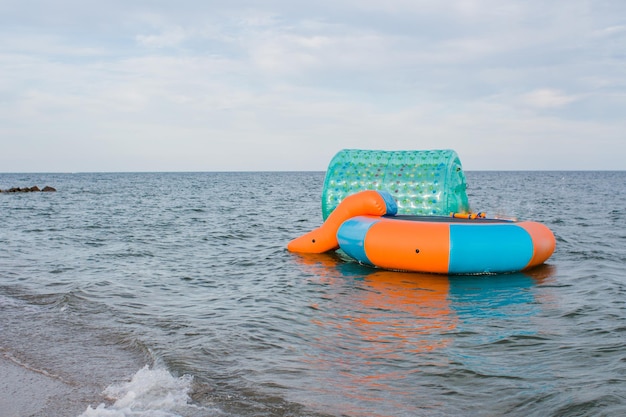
(408,211)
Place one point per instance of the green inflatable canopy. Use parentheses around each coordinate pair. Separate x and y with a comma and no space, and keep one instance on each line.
(427,182)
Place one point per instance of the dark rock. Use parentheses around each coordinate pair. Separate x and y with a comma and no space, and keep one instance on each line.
(34,188)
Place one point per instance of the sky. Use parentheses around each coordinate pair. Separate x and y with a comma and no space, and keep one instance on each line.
(283,85)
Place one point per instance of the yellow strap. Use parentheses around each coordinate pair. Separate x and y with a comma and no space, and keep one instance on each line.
(471,216)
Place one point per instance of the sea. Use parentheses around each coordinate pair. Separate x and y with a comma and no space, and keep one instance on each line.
(173,294)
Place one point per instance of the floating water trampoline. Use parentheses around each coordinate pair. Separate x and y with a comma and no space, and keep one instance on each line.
(409,211)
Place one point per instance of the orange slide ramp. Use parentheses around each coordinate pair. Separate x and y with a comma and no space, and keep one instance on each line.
(324,238)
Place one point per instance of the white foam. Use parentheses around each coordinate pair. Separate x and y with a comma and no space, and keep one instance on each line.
(150,393)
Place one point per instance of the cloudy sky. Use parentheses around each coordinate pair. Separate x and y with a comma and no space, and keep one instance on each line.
(231,85)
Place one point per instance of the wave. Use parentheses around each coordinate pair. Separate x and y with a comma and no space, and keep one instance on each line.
(150,393)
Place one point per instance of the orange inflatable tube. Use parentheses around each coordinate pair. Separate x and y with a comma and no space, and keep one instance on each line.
(390,244)
(446,245)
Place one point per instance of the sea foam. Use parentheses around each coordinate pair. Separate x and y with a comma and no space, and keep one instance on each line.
(150,392)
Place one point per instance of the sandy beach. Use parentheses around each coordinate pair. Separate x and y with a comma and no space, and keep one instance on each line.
(29,393)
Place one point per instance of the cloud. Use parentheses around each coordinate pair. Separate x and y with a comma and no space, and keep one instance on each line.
(275,85)
(547,98)
(167,38)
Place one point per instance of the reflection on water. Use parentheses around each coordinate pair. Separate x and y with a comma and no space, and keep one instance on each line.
(474,297)
(497,322)
(381,331)
(401,311)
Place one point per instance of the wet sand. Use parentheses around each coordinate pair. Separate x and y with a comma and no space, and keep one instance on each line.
(28,393)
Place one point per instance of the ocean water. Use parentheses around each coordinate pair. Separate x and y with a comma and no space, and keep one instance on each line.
(172,294)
